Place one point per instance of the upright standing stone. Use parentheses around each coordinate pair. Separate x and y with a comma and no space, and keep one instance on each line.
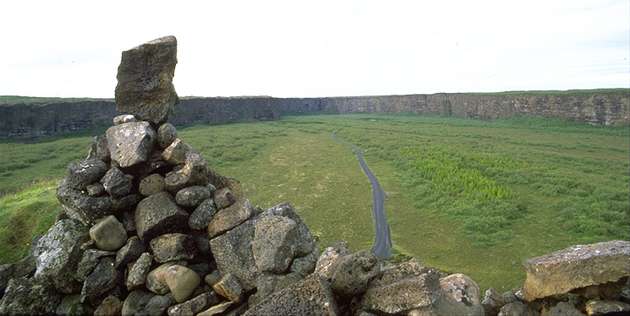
(145,80)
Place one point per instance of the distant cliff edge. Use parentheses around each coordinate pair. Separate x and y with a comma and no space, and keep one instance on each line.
(600,107)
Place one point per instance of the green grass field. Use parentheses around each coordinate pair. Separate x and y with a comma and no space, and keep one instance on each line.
(462,195)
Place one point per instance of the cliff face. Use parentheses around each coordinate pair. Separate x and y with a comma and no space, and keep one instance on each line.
(35,120)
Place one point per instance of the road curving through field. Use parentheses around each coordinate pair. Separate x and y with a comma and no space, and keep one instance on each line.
(382,247)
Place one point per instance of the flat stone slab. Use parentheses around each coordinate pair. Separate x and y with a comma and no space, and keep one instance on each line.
(576,267)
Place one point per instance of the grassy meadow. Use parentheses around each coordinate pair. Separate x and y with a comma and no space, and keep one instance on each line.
(462,195)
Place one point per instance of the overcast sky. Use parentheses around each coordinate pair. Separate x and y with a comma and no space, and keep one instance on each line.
(319,48)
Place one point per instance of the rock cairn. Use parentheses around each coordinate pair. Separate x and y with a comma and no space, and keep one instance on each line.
(146,228)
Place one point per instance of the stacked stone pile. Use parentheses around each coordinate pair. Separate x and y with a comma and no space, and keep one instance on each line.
(146,228)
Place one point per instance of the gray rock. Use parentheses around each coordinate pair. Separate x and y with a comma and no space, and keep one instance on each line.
(576,267)
(145,74)
(516,309)
(463,290)
(600,307)
(329,258)
(224,198)
(95,189)
(561,309)
(175,153)
(27,296)
(157,305)
(312,296)
(492,302)
(138,271)
(275,243)
(108,234)
(305,265)
(212,277)
(82,207)
(124,118)
(202,268)
(233,254)
(99,149)
(58,252)
(194,305)
(125,203)
(216,309)
(201,217)
(152,184)
(306,242)
(24,267)
(130,143)
(128,221)
(100,282)
(166,134)
(181,281)
(192,196)
(203,244)
(172,247)
(194,172)
(353,273)
(230,217)
(269,283)
(136,302)
(71,305)
(158,214)
(111,305)
(88,262)
(229,287)
(155,279)
(129,252)
(85,172)
(116,183)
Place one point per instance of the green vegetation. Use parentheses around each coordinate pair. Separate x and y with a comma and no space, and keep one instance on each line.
(18,99)
(462,195)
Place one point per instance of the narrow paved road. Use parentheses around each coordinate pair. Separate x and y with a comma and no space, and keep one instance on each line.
(382,247)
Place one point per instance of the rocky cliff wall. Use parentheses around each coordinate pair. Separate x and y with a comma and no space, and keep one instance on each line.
(36,120)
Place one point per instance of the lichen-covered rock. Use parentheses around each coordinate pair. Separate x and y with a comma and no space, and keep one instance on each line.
(275,243)
(172,247)
(124,118)
(175,153)
(224,198)
(58,252)
(138,271)
(353,273)
(99,149)
(230,217)
(462,289)
(201,217)
(268,283)
(560,309)
(71,306)
(108,234)
(157,305)
(155,279)
(305,265)
(125,203)
(157,215)
(100,282)
(88,262)
(136,302)
(85,172)
(492,302)
(82,207)
(194,305)
(181,281)
(130,143)
(329,258)
(28,296)
(409,293)
(24,267)
(194,172)
(116,183)
(216,309)
(517,309)
(111,305)
(306,242)
(151,184)
(576,267)
(192,196)
(229,287)
(145,80)
(312,296)
(233,254)
(129,252)
(166,134)
(600,307)
(95,189)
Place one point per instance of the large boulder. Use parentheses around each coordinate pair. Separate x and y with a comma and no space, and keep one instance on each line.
(275,243)
(145,80)
(25,296)
(158,214)
(306,243)
(130,143)
(576,267)
(312,296)
(82,207)
(232,252)
(58,252)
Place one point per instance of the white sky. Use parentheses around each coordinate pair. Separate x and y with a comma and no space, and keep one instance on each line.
(319,48)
